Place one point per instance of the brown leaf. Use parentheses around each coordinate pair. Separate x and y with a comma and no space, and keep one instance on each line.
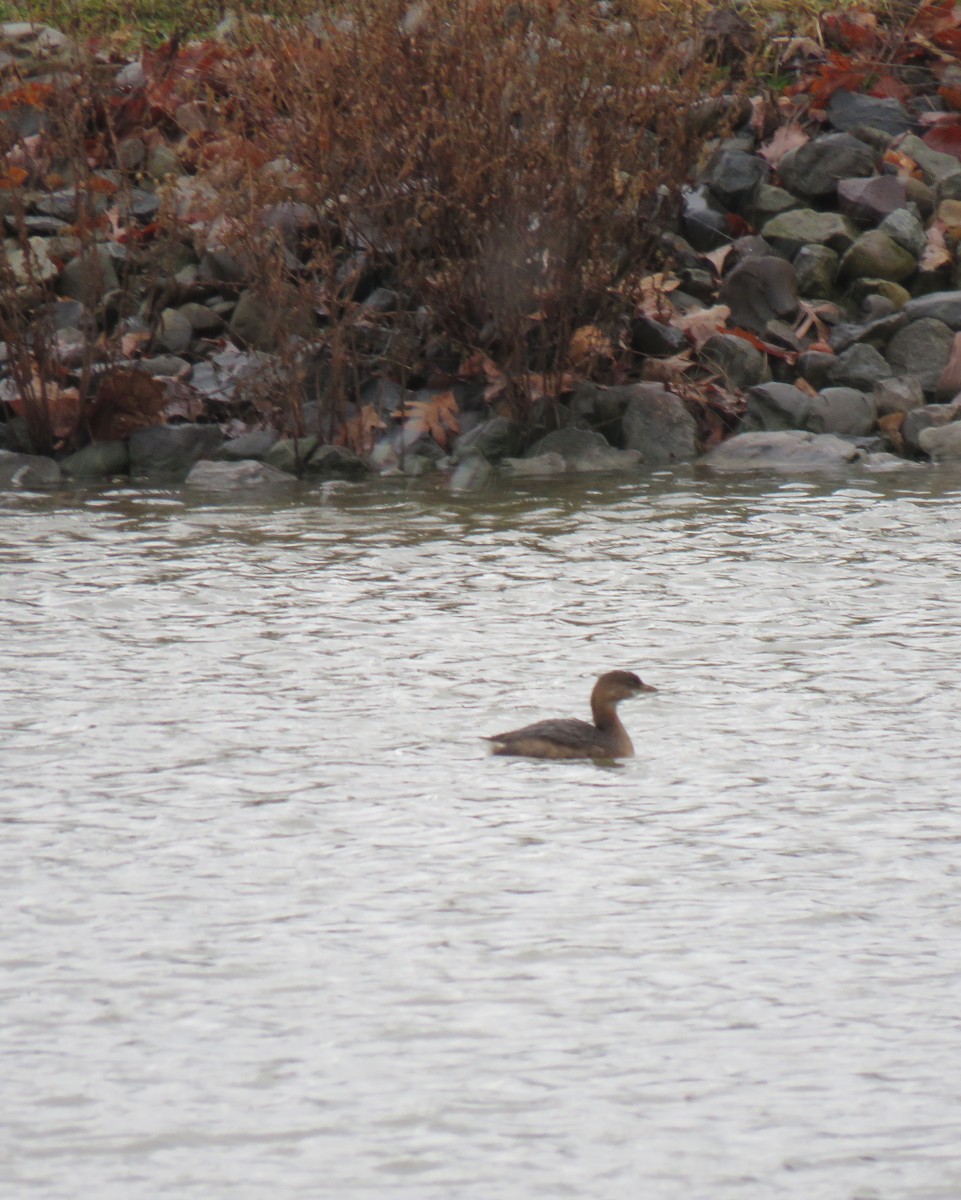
(666,370)
(949,381)
(437,416)
(702,323)
(788,137)
(360,432)
(126,400)
(589,343)
(12,178)
(936,253)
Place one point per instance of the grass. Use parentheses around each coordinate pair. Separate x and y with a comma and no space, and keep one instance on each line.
(154,20)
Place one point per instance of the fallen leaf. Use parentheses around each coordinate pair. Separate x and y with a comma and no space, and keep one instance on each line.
(588,343)
(359,433)
(666,370)
(936,253)
(788,137)
(437,416)
(701,324)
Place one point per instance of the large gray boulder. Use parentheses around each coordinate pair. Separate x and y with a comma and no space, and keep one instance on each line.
(942,442)
(99,460)
(814,169)
(787,450)
(921,349)
(776,406)
(658,425)
(759,291)
(860,366)
(841,410)
(169,451)
(27,471)
(235,476)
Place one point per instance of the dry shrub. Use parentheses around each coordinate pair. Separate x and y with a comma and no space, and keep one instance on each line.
(505,168)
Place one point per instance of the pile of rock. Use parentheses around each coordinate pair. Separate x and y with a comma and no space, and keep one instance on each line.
(853,235)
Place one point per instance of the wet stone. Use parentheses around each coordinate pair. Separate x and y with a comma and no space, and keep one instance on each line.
(927,417)
(169,451)
(942,443)
(100,460)
(236,476)
(27,471)
(788,450)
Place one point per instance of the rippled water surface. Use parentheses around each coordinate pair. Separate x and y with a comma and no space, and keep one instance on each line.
(275,925)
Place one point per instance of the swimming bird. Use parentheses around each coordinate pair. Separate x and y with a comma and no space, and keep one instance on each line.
(570,738)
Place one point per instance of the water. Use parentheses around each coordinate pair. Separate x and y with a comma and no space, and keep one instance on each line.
(274,923)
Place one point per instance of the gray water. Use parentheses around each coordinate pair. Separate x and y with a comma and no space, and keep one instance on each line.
(275,925)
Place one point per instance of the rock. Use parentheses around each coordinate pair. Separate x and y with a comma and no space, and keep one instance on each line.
(941,442)
(879,295)
(739,363)
(169,451)
(860,366)
(290,454)
(89,276)
(842,410)
(256,444)
(788,450)
(870,200)
(814,366)
(760,290)
(234,476)
(880,256)
(921,349)
(897,395)
(470,473)
(929,417)
(164,163)
(570,443)
(99,460)
(769,201)
(903,227)
(170,365)
(934,165)
(658,425)
(174,331)
(941,306)
(815,168)
(733,176)
(32,265)
(495,438)
(704,226)
(335,462)
(773,407)
(607,458)
(807,227)
(816,268)
(202,319)
(250,322)
(550,463)
(27,471)
(849,110)
(654,338)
